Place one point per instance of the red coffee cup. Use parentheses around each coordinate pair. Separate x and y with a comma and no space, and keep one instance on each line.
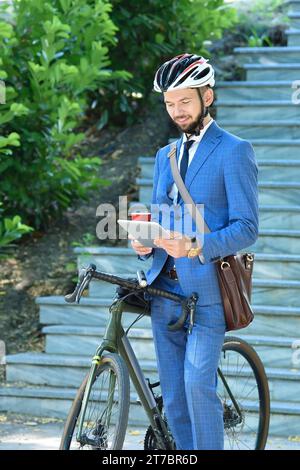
(145,216)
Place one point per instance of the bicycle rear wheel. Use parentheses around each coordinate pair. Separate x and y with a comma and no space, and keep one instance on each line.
(244,392)
(106,415)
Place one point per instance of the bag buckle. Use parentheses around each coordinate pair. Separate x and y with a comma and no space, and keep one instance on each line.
(224,265)
(249,260)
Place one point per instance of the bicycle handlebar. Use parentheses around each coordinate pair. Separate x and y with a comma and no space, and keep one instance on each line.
(188,304)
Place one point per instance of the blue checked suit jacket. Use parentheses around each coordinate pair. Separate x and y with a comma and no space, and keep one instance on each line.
(223,177)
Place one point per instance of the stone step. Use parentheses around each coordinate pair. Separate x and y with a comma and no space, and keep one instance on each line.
(269,129)
(69,339)
(279,170)
(146,165)
(68,371)
(57,370)
(111,260)
(292,5)
(269,149)
(273,320)
(294,20)
(267,72)
(270,55)
(293,37)
(257,90)
(278,241)
(92,311)
(250,110)
(56,402)
(276,292)
(277,192)
(269,320)
(63,340)
(276,266)
(279,216)
(55,311)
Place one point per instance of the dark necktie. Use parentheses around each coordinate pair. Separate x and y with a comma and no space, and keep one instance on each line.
(184,162)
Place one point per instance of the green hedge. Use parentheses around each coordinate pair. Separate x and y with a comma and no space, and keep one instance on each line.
(52,56)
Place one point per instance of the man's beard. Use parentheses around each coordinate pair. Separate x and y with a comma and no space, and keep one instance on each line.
(194,128)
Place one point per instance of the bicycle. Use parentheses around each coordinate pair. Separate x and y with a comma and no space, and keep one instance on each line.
(99,414)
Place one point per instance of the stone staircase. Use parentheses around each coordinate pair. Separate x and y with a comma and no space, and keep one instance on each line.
(261,110)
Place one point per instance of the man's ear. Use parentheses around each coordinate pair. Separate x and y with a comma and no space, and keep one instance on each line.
(208,97)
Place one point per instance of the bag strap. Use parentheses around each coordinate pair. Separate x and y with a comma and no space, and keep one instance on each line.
(195,213)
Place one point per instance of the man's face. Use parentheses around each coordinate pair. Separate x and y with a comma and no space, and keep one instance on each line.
(184,108)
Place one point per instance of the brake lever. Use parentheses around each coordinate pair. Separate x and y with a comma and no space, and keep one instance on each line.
(83,286)
(84,278)
(192,307)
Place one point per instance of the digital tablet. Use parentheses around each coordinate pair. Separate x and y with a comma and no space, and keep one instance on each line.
(143,231)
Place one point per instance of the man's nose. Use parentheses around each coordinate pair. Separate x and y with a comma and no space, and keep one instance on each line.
(178,110)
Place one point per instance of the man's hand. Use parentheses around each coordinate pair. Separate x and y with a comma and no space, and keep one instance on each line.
(178,246)
(138,247)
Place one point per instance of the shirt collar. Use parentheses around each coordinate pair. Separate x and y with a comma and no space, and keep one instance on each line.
(197,138)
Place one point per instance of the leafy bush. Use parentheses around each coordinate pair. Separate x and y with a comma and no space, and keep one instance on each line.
(11,230)
(52,56)
(150,33)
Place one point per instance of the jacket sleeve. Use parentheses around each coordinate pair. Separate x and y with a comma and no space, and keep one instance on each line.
(153,199)
(240,178)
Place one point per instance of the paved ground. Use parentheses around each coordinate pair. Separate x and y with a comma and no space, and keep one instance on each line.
(31,433)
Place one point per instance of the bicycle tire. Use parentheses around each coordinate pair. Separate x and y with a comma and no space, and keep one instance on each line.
(242,348)
(115,364)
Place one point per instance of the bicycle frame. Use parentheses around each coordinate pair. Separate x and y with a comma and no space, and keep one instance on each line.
(115,341)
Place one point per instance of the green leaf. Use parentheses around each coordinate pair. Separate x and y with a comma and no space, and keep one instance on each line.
(103,120)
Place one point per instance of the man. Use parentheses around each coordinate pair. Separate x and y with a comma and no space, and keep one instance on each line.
(220,172)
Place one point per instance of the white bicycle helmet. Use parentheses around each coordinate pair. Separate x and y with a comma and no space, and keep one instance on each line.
(184,71)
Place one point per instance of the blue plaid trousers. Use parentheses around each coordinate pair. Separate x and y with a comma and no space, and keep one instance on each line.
(187,367)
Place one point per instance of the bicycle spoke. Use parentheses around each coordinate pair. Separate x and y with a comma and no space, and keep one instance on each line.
(240,430)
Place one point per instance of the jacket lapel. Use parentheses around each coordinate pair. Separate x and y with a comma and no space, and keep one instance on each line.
(207,145)
(211,139)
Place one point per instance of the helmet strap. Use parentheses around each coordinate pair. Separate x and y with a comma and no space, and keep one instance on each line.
(204,113)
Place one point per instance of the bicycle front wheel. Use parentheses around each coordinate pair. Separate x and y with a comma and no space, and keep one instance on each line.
(244,392)
(106,415)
